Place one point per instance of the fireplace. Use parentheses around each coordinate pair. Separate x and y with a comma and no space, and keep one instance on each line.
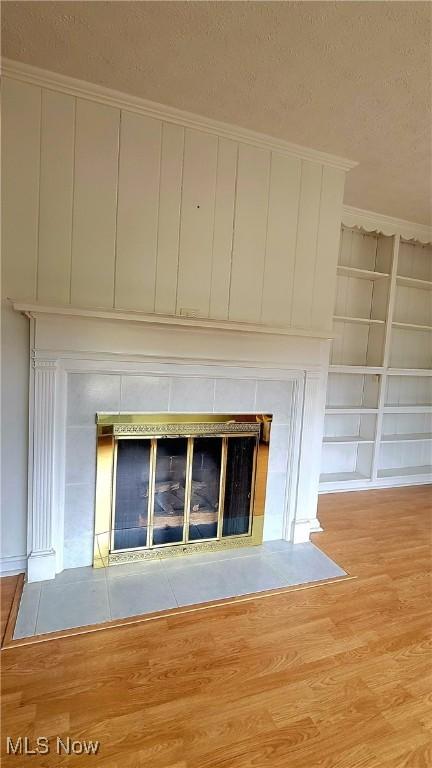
(123,364)
(172,484)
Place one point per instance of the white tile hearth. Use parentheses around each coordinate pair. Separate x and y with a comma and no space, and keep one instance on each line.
(72,605)
(81,596)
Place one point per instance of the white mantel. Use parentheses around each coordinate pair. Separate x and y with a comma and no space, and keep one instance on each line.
(211,357)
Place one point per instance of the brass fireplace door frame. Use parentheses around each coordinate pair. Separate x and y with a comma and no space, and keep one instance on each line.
(112,427)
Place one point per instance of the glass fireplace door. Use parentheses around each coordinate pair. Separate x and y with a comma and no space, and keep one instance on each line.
(205,488)
(131,492)
(182,489)
(169,490)
(240,467)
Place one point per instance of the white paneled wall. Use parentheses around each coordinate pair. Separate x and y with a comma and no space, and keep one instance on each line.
(55,197)
(21,128)
(137,211)
(105,207)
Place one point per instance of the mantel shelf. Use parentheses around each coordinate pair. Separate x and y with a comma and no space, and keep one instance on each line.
(33,310)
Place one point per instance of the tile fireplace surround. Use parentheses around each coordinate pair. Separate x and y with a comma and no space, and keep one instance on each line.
(84,362)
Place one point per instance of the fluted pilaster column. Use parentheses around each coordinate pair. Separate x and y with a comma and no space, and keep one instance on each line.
(41,564)
(310,457)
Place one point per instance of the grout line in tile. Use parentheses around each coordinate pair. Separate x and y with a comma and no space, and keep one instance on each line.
(108,592)
(37,610)
(170,585)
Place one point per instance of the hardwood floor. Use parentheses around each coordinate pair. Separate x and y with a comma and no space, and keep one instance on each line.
(336,676)
(8,585)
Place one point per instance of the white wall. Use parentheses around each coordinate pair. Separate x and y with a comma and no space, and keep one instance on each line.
(106,207)
(14,436)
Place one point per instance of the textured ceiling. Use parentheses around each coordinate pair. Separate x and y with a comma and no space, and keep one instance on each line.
(350,78)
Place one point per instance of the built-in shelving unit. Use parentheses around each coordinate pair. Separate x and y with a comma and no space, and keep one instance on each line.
(378,417)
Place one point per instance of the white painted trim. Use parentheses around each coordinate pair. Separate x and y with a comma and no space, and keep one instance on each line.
(294,451)
(368,485)
(356,369)
(31,310)
(168,366)
(386,225)
(82,89)
(301,531)
(315,526)
(13,564)
(42,566)
(409,372)
(312,427)
(43,515)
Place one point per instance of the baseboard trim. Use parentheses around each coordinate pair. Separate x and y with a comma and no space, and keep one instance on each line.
(13,564)
(374,485)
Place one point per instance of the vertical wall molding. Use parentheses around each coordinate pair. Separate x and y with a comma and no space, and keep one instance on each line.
(42,558)
(306,520)
(386,357)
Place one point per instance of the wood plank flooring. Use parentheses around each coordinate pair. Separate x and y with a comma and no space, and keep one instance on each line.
(8,586)
(336,676)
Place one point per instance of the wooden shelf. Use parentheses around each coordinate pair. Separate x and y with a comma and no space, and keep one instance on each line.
(424,469)
(343,409)
(357,369)
(414,282)
(409,372)
(423,408)
(342,477)
(346,440)
(362,274)
(401,438)
(412,326)
(359,320)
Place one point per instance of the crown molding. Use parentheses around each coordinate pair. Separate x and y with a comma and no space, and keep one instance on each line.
(385,225)
(32,310)
(43,78)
